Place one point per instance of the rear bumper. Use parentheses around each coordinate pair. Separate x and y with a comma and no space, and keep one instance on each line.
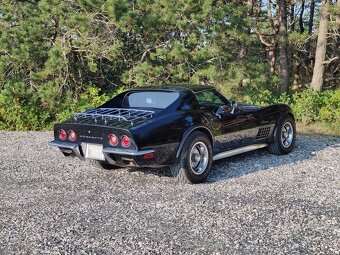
(68,148)
(121,157)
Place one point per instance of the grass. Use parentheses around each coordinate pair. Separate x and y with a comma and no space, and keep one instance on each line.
(317,129)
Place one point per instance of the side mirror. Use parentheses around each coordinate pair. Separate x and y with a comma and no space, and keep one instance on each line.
(219,111)
(234,106)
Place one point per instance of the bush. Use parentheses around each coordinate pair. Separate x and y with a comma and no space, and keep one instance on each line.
(330,109)
(25,109)
(308,106)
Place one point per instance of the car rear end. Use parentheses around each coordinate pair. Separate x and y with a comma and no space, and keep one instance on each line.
(123,131)
(104,135)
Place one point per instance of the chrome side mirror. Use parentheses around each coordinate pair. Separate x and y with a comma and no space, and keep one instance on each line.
(234,106)
(219,111)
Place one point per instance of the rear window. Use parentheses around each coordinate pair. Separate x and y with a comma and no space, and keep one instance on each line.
(150,99)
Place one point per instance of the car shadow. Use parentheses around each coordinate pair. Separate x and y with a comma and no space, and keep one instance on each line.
(159,171)
(306,147)
(259,160)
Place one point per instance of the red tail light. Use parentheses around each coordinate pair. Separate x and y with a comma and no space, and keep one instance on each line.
(72,135)
(148,155)
(62,134)
(113,140)
(126,142)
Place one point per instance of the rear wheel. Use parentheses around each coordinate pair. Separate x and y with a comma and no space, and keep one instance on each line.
(284,137)
(195,160)
(102,164)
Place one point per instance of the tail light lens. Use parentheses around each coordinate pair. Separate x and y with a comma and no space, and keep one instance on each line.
(126,141)
(72,135)
(113,140)
(148,155)
(62,134)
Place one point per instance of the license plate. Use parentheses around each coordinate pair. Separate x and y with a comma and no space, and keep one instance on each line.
(93,151)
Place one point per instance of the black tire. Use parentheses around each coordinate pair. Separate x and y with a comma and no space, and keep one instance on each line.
(103,164)
(182,170)
(278,146)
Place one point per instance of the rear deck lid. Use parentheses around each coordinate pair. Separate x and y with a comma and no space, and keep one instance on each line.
(123,118)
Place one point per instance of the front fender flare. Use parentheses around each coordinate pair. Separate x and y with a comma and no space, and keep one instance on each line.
(279,119)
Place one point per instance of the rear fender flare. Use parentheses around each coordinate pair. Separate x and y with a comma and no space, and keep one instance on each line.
(186,134)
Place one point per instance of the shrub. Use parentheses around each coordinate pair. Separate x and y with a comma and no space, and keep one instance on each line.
(330,109)
(308,106)
(25,109)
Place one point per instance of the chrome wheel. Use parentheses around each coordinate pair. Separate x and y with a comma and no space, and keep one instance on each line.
(199,158)
(287,134)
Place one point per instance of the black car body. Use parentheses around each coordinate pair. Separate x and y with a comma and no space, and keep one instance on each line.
(149,127)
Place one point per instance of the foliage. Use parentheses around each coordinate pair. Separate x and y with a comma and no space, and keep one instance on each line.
(308,106)
(59,57)
(21,109)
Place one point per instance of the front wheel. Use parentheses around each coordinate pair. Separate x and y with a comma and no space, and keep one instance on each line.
(284,137)
(195,160)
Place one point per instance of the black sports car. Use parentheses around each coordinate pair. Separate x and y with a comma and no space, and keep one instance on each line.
(184,127)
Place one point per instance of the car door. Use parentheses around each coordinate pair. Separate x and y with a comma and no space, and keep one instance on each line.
(236,128)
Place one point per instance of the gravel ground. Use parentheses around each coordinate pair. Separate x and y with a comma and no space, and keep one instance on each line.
(251,204)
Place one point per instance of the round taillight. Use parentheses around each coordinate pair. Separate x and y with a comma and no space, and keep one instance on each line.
(72,135)
(62,134)
(113,140)
(126,142)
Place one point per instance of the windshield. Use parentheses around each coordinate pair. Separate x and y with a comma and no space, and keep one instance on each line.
(150,99)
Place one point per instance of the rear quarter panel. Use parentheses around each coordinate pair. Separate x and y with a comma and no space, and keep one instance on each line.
(164,133)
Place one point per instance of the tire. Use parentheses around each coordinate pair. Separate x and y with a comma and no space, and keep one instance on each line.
(284,141)
(102,164)
(197,150)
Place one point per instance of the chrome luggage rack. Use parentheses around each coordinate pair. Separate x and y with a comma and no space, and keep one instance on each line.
(120,114)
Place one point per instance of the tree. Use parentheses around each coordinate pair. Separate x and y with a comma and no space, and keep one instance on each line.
(54,52)
(320,54)
(311,17)
(302,29)
(283,47)
(338,13)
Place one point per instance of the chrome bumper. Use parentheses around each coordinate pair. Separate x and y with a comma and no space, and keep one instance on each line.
(124,152)
(75,148)
(70,146)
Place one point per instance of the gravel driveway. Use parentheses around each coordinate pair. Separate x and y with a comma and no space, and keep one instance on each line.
(256,203)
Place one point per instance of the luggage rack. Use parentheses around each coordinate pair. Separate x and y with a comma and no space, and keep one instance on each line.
(120,114)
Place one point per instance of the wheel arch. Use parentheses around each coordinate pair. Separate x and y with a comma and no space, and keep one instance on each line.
(186,134)
(279,119)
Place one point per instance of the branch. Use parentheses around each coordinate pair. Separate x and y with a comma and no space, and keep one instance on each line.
(329,60)
(152,48)
(262,39)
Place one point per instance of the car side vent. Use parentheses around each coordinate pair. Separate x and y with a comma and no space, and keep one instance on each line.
(263,133)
